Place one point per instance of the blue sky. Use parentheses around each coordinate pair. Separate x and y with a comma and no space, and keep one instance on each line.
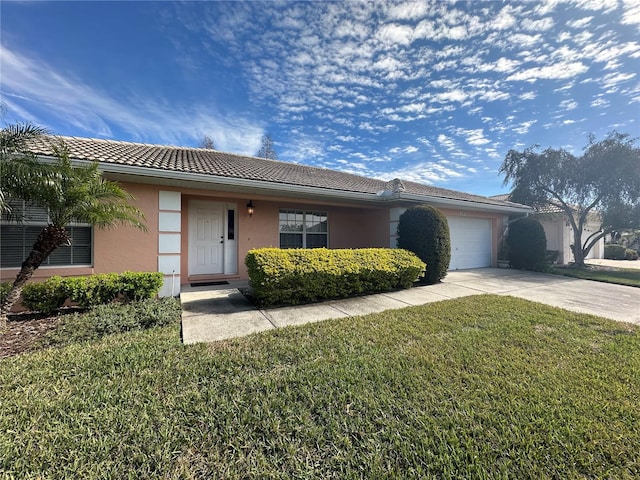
(434,92)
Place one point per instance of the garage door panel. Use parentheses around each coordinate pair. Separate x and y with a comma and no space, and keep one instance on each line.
(470,242)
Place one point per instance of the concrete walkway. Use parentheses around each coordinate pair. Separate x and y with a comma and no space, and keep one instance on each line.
(211,315)
(602,262)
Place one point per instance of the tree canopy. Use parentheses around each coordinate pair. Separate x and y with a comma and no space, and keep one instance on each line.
(266,148)
(207,142)
(604,180)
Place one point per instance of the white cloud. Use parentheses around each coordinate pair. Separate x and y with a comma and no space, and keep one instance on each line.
(631,12)
(474,136)
(595,5)
(346,138)
(599,102)
(408,11)
(395,34)
(505,65)
(568,105)
(540,25)
(580,22)
(613,79)
(505,19)
(424,172)
(456,95)
(447,142)
(558,71)
(524,127)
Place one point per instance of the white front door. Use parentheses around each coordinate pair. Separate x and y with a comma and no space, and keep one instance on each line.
(206,238)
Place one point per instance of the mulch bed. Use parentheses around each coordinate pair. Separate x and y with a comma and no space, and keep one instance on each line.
(23,332)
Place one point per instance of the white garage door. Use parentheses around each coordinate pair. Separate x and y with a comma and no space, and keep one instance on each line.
(470,242)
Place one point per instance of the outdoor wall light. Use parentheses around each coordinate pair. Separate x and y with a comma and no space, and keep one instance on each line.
(250,208)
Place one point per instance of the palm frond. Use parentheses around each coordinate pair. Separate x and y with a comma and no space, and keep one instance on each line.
(15,137)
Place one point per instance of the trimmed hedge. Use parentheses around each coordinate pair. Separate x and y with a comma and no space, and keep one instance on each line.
(293,276)
(614,252)
(89,291)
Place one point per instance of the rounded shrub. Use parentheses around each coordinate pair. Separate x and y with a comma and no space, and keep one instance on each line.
(527,244)
(424,230)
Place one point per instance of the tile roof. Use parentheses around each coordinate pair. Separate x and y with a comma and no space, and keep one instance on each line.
(541,209)
(220,164)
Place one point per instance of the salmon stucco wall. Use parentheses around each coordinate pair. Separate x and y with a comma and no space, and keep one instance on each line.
(127,248)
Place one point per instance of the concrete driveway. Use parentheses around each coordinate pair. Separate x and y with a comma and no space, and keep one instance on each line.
(211,315)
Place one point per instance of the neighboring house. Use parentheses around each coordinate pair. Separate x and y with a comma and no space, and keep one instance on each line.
(206,209)
(559,233)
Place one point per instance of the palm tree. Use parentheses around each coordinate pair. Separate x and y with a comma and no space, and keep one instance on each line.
(69,193)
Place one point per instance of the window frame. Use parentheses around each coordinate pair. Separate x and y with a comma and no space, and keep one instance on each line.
(304,233)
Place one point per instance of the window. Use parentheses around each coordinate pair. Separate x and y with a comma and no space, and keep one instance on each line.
(302,229)
(17,239)
(231,224)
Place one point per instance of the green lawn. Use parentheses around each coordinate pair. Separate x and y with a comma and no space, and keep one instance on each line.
(479,387)
(627,276)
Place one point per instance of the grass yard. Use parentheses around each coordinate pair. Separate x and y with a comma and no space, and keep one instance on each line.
(630,277)
(478,387)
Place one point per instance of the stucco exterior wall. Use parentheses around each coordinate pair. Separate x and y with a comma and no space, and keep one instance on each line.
(127,248)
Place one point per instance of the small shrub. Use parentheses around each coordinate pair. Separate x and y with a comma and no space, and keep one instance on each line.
(140,285)
(630,254)
(4,290)
(614,252)
(93,290)
(424,230)
(45,297)
(293,276)
(527,244)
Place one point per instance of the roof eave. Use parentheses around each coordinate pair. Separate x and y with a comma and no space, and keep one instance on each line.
(458,203)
